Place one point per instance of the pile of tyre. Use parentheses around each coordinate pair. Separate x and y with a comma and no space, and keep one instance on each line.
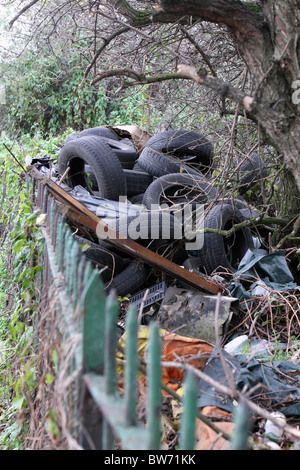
(173,169)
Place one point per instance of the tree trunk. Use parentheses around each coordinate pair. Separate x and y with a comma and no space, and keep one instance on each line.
(269,41)
(267,36)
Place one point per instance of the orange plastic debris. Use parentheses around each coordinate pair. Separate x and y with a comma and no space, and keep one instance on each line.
(192,351)
(207,438)
(175,348)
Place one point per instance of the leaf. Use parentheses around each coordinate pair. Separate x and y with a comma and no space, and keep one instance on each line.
(49,379)
(85,247)
(18,245)
(55,358)
(18,403)
(52,426)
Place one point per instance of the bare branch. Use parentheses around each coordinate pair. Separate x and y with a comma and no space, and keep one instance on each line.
(224,89)
(141,18)
(33,2)
(237,16)
(105,43)
(200,50)
(117,72)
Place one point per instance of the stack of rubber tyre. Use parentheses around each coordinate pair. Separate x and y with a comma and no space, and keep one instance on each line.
(174,168)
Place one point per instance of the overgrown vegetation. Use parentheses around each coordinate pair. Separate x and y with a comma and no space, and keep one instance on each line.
(42,94)
(21,249)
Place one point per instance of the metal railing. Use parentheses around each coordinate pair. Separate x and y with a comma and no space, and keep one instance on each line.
(105,412)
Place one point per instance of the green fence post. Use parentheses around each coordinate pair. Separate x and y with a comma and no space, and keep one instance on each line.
(66,265)
(154,388)
(131,365)
(88,272)
(52,209)
(111,318)
(242,424)
(93,304)
(187,430)
(74,271)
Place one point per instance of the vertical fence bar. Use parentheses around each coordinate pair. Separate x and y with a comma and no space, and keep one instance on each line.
(87,272)
(154,388)
(93,305)
(44,202)
(68,261)
(59,243)
(111,317)
(131,364)
(93,324)
(240,434)
(188,421)
(51,227)
(74,271)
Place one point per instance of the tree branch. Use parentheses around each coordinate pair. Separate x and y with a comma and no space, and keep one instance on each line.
(200,50)
(238,17)
(140,18)
(33,2)
(105,43)
(118,72)
(140,79)
(224,89)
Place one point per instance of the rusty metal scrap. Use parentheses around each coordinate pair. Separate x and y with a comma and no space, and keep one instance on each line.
(80,214)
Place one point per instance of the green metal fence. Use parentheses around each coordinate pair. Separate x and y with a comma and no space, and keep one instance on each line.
(106,418)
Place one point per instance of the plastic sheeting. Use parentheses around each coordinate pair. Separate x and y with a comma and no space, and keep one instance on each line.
(258,265)
(249,373)
(103,208)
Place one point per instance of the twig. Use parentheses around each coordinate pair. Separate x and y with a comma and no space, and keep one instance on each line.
(200,50)
(177,397)
(292,431)
(33,2)
(227,371)
(105,43)
(63,176)
(15,158)
(142,306)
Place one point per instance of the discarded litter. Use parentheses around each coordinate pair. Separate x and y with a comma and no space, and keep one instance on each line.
(235,266)
(154,294)
(192,314)
(271,270)
(270,380)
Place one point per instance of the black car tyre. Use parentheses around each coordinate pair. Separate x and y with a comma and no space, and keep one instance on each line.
(178,186)
(103,163)
(250,172)
(158,164)
(150,225)
(186,145)
(100,256)
(129,280)
(97,131)
(218,251)
(170,149)
(137,181)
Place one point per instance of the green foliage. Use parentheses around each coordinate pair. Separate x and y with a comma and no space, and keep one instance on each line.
(22,245)
(44,94)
